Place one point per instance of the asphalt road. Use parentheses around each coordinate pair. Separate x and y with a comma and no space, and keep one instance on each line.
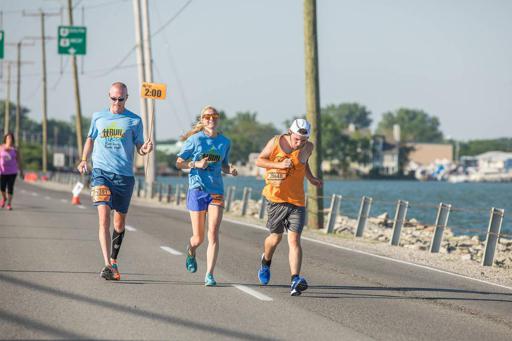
(50,287)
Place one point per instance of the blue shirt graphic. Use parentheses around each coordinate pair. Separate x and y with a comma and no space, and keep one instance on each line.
(199,146)
(115,137)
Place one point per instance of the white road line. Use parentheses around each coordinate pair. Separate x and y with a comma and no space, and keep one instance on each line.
(47,197)
(252,292)
(82,207)
(34,194)
(379,256)
(23,191)
(171,250)
(63,200)
(130,228)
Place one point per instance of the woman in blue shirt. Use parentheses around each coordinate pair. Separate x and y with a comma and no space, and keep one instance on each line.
(205,152)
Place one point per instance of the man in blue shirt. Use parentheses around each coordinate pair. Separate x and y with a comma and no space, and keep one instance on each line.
(114,135)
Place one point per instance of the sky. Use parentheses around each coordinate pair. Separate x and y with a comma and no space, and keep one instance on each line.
(452,59)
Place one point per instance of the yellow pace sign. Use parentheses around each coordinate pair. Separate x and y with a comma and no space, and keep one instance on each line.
(153,90)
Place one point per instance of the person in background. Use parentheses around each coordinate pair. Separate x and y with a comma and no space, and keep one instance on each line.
(10,165)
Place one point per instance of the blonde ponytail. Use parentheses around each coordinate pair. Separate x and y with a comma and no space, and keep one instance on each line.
(198,126)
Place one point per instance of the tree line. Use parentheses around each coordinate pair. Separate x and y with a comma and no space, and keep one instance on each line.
(345,133)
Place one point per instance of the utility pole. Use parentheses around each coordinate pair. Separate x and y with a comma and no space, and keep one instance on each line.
(151,160)
(315,194)
(79,142)
(141,72)
(44,123)
(19,62)
(7,106)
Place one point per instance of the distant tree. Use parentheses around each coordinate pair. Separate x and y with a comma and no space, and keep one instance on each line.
(415,125)
(476,147)
(247,134)
(345,114)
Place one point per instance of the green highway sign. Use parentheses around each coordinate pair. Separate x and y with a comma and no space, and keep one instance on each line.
(2,44)
(72,40)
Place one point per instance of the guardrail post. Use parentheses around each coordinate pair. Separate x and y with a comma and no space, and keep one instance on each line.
(263,202)
(245,200)
(169,189)
(333,213)
(364,212)
(139,187)
(229,197)
(493,232)
(160,191)
(400,214)
(177,197)
(443,212)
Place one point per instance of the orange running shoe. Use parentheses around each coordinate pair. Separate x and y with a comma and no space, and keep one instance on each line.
(115,270)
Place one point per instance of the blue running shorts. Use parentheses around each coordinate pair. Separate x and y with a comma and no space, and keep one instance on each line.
(198,200)
(111,189)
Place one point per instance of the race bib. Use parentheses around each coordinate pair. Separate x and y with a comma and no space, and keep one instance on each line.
(100,193)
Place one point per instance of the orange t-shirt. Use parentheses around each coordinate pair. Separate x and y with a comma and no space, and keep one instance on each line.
(285,185)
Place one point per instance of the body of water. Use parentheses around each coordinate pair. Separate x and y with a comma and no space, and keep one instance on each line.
(471,201)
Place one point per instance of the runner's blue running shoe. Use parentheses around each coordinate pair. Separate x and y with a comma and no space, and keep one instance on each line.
(299,284)
(264,274)
(190,263)
(209,281)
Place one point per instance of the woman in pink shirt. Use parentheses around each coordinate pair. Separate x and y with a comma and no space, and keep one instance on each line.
(9,166)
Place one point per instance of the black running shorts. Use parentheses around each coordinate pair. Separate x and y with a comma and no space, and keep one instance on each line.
(285,216)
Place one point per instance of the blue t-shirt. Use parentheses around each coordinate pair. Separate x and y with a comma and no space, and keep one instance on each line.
(115,137)
(199,146)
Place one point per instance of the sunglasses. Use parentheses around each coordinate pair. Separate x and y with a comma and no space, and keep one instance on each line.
(211,117)
(119,99)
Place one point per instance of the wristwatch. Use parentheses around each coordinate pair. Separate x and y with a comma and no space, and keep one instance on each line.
(192,164)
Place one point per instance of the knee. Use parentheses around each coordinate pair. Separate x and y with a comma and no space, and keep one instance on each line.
(213,238)
(196,240)
(275,239)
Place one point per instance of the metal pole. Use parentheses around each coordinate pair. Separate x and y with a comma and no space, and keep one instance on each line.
(7,106)
(245,200)
(177,198)
(79,142)
(169,189)
(229,197)
(333,213)
(401,213)
(315,197)
(44,122)
(160,191)
(495,221)
(141,73)
(151,160)
(443,212)
(364,212)
(263,202)
(18,94)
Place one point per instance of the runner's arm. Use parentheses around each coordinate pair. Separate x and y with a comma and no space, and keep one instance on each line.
(88,147)
(263,159)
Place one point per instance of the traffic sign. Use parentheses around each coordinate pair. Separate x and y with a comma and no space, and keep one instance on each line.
(2,44)
(153,90)
(72,40)
(58,159)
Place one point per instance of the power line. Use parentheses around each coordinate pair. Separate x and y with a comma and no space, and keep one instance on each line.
(175,70)
(128,54)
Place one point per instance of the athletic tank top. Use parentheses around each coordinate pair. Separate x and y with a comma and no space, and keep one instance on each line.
(8,162)
(285,185)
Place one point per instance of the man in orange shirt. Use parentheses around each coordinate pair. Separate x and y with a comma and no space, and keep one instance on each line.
(285,158)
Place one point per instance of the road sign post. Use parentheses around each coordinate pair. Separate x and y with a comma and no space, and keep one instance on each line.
(72,40)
